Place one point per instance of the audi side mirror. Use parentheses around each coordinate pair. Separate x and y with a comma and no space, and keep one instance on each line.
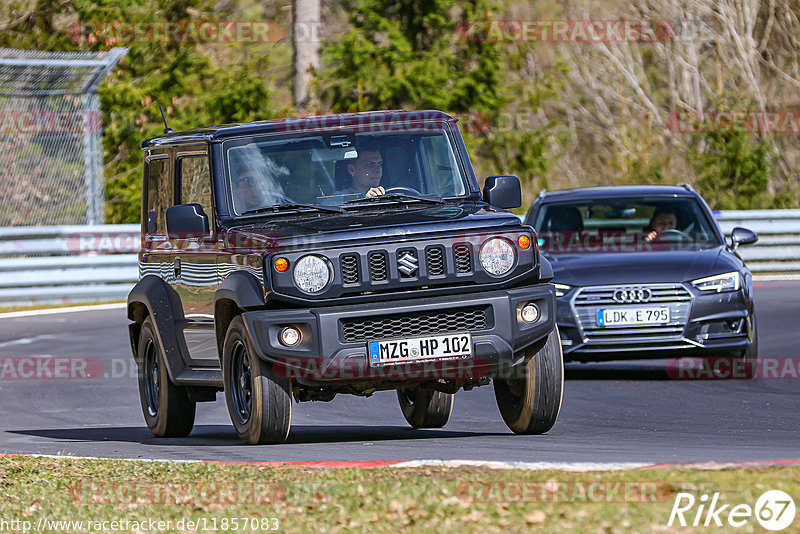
(503,191)
(742,236)
(186,221)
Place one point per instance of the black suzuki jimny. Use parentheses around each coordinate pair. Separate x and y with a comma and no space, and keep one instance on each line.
(301,258)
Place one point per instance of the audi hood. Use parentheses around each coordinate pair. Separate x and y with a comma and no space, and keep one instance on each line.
(589,269)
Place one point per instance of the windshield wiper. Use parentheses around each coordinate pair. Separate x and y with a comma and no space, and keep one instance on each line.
(395,196)
(294,206)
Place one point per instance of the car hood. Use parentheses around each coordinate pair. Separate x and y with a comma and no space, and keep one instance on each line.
(639,267)
(370,224)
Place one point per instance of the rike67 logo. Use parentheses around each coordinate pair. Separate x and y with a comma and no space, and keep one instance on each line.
(774,510)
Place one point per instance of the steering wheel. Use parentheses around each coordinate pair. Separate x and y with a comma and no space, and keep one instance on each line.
(403,190)
(683,236)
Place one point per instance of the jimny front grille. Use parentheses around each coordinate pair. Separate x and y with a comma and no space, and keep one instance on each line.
(414,324)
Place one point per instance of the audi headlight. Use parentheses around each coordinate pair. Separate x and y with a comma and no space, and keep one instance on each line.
(562,289)
(720,282)
(497,256)
(312,274)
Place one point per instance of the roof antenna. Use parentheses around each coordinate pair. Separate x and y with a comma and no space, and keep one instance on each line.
(167,129)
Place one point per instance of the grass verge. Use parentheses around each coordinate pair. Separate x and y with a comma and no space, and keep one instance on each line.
(376,500)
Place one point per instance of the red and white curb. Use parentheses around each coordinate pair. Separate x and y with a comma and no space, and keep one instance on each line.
(531,466)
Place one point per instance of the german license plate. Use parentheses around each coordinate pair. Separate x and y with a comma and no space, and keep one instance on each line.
(632,316)
(411,349)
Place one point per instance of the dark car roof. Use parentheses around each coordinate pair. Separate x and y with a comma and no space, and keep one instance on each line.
(581,193)
(341,120)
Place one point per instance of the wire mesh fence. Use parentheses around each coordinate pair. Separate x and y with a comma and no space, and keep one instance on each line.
(51,160)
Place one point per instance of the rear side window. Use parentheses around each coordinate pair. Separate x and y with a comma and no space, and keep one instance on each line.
(195,183)
(159,196)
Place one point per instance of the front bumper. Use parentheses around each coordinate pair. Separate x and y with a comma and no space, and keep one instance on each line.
(333,351)
(702,323)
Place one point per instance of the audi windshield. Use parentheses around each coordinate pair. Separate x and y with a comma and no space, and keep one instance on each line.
(624,225)
(340,168)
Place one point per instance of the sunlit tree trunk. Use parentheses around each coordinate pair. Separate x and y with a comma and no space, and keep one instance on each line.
(306,28)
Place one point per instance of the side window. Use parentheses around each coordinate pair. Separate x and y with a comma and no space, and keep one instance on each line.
(159,196)
(195,183)
(442,166)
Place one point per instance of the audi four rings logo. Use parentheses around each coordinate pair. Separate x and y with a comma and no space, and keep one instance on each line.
(407,263)
(633,294)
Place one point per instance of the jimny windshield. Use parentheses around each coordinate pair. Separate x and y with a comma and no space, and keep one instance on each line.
(332,168)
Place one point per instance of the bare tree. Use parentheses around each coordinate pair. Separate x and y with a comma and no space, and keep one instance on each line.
(305,36)
(619,98)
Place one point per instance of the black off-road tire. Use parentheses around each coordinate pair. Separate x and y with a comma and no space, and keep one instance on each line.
(167,409)
(259,402)
(425,408)
(529,397)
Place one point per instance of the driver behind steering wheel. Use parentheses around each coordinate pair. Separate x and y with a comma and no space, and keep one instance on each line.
(366,172)
(664,218)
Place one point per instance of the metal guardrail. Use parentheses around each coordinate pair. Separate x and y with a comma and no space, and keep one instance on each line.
(61,264)
(55,264)
(778,247)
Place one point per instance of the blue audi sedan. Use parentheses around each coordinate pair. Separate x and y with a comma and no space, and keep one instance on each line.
(645,272)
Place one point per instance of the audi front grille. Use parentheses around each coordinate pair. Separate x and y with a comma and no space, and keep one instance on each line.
(588,300)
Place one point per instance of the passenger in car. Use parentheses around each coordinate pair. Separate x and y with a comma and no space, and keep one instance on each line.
(563,218)
(246,193)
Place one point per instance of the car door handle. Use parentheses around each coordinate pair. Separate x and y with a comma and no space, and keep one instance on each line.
(176,267)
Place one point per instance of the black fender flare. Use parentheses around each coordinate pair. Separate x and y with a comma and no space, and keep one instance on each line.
(239,291)
(163,304)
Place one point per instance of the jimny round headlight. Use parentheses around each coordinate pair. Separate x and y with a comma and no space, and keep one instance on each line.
(312,274)
(497,256)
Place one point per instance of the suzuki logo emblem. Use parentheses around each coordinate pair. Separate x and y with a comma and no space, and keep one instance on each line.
(632,295)
(407,262)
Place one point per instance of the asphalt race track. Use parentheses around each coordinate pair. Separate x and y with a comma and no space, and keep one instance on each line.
(612,412)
